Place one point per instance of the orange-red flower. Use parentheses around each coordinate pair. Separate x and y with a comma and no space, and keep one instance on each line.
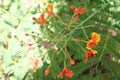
(66,72)
(81,11)
(47,71)
(91,44)
(78,10)
(72,62)
(87,55)
(94,52)
(49,12)
(93,41)
(95,37)
(50,9)
(36,65)
(50,6)
(42,19)
(76,18)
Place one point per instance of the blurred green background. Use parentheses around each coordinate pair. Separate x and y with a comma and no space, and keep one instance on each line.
(101,16)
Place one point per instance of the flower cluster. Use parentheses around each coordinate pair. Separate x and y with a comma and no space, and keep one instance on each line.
(93,42)
(66,72)
(95,39)
(50,9)
(41,20)
(76,12)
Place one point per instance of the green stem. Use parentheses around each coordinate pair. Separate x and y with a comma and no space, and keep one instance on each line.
(102,51)
(60,19)
(65,43)
(81,47)
(83,27)
(71,21)
(85,33)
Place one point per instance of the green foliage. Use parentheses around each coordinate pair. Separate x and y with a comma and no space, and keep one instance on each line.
(52,42)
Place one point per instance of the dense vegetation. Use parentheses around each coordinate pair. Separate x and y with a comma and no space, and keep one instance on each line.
(59,39)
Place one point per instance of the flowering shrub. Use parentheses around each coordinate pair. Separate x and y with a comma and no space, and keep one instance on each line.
(54,40)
